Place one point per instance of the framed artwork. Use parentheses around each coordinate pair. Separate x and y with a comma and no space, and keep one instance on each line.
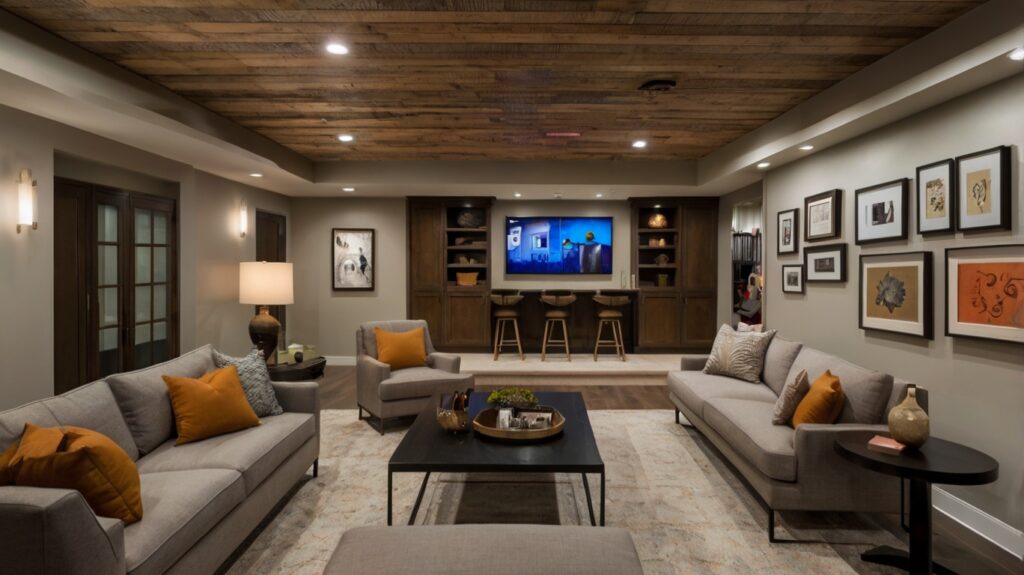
(983,190)
(823,215)
(896,293)
(882,212)
(936,197)
(787,241)
(825,263)
(352,259)
(985,292)
(793,278)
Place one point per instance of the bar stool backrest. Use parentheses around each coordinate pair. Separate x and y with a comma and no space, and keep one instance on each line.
(558,298)
(612,298)
(505,297)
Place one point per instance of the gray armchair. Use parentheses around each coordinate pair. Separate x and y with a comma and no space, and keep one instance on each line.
(388,394)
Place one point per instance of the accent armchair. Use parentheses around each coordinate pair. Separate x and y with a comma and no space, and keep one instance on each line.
(386,394)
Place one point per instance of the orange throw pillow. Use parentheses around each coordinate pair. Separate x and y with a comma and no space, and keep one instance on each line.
(822,404)
(212,405)
(86,461)
(401,349)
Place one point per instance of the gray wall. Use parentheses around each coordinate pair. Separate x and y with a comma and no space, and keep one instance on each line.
(976,387)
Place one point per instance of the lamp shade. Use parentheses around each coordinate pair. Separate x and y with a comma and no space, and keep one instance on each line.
(265,283)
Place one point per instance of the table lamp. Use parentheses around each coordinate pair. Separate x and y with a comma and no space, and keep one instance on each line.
(265,284)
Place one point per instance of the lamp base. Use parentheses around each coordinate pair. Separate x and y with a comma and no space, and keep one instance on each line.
(263,330)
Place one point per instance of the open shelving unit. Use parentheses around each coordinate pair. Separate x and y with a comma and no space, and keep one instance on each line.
(467,245)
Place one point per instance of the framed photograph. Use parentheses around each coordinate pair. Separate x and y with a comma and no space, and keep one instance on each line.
(896,293)
(882,212)
(793,279)
(985,292)
(825,263)
(983,190)
(352,259)
(936,197)
(788,238)
(823,216)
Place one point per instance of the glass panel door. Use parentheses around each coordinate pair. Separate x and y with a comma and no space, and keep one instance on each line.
(109,284)
(152,255)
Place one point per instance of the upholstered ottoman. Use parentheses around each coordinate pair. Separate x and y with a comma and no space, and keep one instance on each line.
(485,549)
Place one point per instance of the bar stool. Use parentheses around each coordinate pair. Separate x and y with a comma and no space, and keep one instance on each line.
(557,314)
(607,300)
(506,311)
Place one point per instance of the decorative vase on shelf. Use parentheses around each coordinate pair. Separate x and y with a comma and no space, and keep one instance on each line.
(908,423)
(657,221)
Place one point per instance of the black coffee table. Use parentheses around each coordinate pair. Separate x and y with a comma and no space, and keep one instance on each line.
(426,448)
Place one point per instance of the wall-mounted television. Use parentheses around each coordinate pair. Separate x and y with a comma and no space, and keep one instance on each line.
(540,245)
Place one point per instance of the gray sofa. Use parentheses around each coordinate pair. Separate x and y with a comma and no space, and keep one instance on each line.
(793,469)
(200,500)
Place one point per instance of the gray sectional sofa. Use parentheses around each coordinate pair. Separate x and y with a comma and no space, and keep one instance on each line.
(793,469)
(200,500)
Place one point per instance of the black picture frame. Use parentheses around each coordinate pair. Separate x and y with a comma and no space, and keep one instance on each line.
(900,231)
(953,325)
(810,251)
(371,283)
(927,320)
(803,278)
(836,224)
(920,184)
(1001,192)
(795,235)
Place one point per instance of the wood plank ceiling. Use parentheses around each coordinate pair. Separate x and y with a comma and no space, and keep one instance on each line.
(487,79)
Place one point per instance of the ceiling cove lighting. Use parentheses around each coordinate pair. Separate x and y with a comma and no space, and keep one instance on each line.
(518,195)
(807,147)
(599,195)
(346,138)
(337,49)
(255,175)
(1017,54)
(640,144)
(348,190)
(763,165)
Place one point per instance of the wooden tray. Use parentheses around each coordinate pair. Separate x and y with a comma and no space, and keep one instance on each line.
(486,423)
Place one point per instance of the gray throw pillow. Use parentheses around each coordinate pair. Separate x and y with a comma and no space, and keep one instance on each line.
(792,393)
(252,371)
(739,355)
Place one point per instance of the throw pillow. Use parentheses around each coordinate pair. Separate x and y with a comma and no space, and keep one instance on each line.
(86,461)
(252,371)
(823,402)
(739,355)
(212,405)
(793,392)
(6,472)
(401,349)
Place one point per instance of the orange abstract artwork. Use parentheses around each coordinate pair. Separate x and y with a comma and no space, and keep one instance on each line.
(991,293)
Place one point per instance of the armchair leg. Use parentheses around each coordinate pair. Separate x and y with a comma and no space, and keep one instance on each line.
(771,525)
(316,467)
(677,417)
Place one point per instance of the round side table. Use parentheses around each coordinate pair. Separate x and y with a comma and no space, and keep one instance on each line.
(937,461)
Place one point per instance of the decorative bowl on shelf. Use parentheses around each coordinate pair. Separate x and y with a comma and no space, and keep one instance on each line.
(657,221)
(662,260)
(451,412)
(470,219)
(466,279)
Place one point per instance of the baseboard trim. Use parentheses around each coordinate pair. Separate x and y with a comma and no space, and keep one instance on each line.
(991,529)
(340,359)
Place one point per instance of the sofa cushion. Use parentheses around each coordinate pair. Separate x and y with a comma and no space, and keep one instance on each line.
(143,400)
(208,406)
(255,452)
(93,407)
(255,378)
(12,422)
(747,426)
(777,361)
(866,391)
(739,355)
(694,388)
(181,507)
(421,382)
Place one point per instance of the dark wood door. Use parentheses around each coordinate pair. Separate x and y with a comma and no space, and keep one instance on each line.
(467,318)
(70,288)
(659,320)
(272,246)
(700,274)
(426,274)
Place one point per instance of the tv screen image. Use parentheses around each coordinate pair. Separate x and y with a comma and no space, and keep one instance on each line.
(540,245)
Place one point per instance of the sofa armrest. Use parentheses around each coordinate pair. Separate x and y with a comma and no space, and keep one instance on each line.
(445,362)
(54,531)
(693,361)
(818,461)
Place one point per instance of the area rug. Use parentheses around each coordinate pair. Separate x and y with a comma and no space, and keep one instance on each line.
(685,508)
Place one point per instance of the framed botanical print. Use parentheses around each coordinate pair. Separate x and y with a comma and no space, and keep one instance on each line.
(983,190)
(882,212)
(825,263)
(353,256)
(788,238)
(896,293)
(936,197)
(823,216)
(793,278)
(985,292)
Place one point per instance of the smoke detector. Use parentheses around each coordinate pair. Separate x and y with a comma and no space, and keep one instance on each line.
(658,85)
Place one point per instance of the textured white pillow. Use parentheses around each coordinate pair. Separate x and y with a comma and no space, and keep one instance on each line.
(739,355)
(792,393)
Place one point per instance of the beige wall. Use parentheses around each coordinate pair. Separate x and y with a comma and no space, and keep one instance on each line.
(976,387)
(751,193)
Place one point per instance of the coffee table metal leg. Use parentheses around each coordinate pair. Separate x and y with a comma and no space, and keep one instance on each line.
(590,503)
(389,497)
(602,498)
(419,499)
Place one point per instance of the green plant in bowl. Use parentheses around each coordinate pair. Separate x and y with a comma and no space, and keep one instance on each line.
(512,397)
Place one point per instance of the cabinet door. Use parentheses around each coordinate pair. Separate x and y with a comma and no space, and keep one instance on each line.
(700,242)
(467,318)
(659,320)
(426,247)
(428,307)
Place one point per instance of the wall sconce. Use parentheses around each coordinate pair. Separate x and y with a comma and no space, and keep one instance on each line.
(26,200)
(243,220)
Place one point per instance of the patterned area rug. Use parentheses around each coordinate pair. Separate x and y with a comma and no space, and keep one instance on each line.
(686,510)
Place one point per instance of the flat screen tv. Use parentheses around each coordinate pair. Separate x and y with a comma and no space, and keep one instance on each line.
(542,245)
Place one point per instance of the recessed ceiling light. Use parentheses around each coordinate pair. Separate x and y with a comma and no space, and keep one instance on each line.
(657,206)
(807,147)
(255,175)
(764,165)
(599,195)
(337,49)
(1017,54)
(348,189)
(640,144)
(346,138)
(518,195)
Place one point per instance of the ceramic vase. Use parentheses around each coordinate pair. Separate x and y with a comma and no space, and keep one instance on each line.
(908,423)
